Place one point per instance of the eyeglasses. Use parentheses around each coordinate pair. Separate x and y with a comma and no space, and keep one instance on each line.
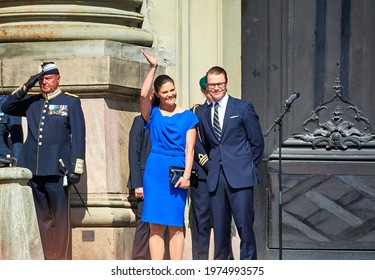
(219,85)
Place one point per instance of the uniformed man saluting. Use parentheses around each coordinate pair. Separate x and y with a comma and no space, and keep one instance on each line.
(55,138)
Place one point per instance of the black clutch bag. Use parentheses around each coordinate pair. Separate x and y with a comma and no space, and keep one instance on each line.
(175,172)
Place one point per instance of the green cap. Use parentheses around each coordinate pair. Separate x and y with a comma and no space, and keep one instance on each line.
(202,82)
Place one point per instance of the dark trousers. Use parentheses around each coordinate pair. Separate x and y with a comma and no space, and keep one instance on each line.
(200,221)
(226,202)
(52,210)
(141,249)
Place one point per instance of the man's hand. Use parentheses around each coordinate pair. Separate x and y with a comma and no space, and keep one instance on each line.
(139,193)
(14,162)
(32,80)
(73,178)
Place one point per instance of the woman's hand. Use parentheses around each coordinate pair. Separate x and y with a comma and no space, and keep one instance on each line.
(145,102)
(150,58)
(182,183)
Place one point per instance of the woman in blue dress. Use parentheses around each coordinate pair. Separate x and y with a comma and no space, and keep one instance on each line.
(173,133)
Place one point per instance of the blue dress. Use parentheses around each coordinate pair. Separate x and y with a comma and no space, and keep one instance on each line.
(164,204)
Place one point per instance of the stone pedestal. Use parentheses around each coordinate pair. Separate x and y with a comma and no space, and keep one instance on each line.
(19,231)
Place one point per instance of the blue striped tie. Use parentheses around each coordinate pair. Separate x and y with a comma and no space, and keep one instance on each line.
(217,127)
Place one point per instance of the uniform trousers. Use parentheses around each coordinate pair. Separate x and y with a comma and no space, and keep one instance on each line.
(200,221)
(52,210)
(226,201)
(141,250)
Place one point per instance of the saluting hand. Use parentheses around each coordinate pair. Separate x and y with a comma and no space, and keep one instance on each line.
(33,80)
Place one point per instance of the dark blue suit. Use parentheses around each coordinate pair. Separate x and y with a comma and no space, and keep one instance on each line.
(10,125)
(139,149)
(56,130)
(232,175)
(200,203)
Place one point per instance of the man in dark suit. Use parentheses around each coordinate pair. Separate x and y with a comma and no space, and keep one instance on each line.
(234,140)
(54,152)
(139,149)
(200,204)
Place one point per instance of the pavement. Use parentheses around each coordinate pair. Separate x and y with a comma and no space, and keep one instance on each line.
(188,252)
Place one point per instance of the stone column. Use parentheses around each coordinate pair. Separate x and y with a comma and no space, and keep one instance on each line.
(22,21)
(19,231)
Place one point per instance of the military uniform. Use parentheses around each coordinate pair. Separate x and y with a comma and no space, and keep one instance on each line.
(10,126)
(200,205)
(56,130)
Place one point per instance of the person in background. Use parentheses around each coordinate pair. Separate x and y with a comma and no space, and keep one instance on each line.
(54,151)
(11,136)
(233,138)
(173,132)
(200,219)
(139,148)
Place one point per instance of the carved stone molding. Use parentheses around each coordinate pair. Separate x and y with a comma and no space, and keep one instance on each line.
(120,21)
(103,210)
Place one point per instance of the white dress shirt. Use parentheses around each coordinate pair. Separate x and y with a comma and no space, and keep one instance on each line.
(221,109)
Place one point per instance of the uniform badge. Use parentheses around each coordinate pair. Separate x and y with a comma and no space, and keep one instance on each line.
(60,110)
(203,158)
(79,166)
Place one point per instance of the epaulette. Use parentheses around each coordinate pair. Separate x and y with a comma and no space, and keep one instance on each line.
(72,95)
(17,89)
(194,107)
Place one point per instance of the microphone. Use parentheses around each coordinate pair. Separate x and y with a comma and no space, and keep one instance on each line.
(291,99)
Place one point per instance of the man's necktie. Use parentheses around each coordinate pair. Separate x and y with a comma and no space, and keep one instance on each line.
(217,127)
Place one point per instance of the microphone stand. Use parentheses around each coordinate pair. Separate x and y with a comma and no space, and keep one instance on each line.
(279,122)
